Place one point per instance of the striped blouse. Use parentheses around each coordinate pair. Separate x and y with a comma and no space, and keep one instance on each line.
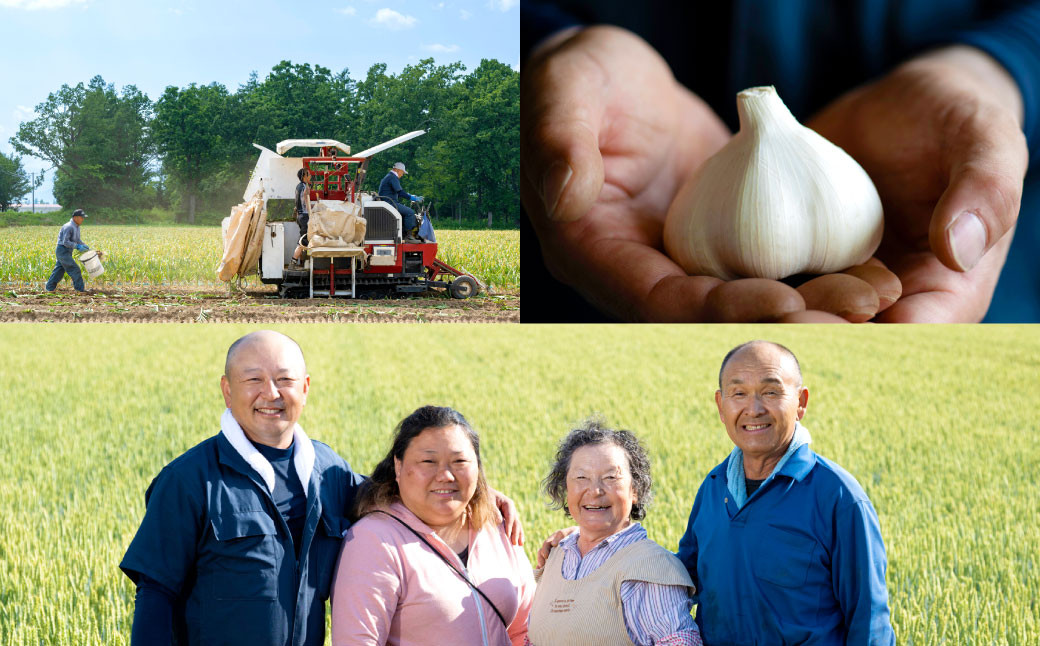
(654,614)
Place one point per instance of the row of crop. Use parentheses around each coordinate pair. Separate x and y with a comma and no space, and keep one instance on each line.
(190,255)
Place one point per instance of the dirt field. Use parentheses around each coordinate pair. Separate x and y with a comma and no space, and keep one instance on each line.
(216,305)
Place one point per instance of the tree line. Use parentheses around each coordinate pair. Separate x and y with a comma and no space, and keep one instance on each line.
(191,149)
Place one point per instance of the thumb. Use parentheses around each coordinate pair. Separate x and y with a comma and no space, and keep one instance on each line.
(562,108)
(979,205)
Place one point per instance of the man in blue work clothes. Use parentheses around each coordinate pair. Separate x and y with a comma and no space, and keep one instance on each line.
(68,239)
(783,545)
(241,533)
(390,188)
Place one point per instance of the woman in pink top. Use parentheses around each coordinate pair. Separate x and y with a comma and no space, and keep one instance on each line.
(429,563)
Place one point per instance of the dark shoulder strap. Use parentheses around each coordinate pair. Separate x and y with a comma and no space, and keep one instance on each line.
(448,563)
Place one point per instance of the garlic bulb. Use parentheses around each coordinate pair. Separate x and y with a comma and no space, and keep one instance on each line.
(777,200)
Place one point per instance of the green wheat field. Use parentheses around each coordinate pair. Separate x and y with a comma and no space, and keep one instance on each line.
(171,255)
(939,424)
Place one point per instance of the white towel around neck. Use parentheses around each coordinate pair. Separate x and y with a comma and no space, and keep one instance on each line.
(303,453)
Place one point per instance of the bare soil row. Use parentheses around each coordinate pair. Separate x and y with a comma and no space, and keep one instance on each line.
(199,305)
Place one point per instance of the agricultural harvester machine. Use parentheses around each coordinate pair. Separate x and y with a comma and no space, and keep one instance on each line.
(356,243)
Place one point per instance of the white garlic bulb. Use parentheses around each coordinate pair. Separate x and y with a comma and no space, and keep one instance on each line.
(777,200)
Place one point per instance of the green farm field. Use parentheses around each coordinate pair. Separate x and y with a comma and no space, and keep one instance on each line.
(939,425)
(188,256)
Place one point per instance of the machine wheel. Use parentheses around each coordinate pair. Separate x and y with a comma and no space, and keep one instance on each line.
(464,287)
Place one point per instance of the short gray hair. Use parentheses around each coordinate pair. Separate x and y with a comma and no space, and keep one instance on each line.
(595,431)
(742,346)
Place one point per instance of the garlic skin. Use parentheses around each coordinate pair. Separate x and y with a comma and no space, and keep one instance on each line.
(777,200)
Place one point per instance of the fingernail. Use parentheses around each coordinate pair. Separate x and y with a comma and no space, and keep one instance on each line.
(553,182)
(967,239)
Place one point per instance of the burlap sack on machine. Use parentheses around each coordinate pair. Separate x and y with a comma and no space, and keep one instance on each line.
(335,224)
(243,231)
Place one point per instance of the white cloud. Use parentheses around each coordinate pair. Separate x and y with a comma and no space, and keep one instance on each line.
(441,49)
(23,113)
(464,14)
(438,6)
(347,11)
(393,20)
(502,5)
(32,5)
(516,68)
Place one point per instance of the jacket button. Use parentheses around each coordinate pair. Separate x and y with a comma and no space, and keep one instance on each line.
(725,500)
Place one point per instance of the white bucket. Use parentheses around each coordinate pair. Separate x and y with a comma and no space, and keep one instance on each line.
(92,263)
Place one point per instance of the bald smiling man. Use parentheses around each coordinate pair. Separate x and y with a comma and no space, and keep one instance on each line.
(241,533)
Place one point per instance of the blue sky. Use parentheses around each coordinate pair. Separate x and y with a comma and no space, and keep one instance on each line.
(154,44)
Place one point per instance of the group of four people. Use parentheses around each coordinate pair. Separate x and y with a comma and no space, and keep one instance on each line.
(247,535)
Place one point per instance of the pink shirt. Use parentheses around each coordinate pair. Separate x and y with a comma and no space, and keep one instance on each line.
(391,589)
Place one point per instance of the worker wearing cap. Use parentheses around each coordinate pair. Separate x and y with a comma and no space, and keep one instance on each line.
(390,188)
(68,239)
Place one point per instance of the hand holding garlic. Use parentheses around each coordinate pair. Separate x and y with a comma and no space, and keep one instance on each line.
(607,139)
(777,200)
(941,137)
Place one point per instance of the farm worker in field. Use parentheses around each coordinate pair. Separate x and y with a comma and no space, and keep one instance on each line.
(608,583)
(68,239)
(241,533)
(783,545)
(390,187)
(303,212)
(430,562)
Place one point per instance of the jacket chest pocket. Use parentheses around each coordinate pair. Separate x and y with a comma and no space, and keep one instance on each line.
(246,556)
(327,542)
(783,557)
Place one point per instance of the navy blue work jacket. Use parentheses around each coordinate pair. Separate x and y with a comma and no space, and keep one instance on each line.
(802,562)
(213,535)
(390,186)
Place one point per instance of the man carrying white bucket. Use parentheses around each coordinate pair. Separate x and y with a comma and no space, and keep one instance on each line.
(68,239)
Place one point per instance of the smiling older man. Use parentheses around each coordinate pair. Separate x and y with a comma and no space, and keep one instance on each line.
(783,545)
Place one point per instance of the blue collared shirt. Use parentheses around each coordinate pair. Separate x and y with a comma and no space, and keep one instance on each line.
(68,236)
(802,562)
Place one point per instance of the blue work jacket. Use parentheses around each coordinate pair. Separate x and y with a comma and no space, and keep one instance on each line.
(802,562)
(390,186)
(212,534)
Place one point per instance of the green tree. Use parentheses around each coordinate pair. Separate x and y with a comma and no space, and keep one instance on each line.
(419,98)
(188,129)
(14,181)
(488,146)
(472,163)
(97,139)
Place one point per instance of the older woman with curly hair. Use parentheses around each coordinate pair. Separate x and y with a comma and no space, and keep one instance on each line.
(430,562)
(608,583)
